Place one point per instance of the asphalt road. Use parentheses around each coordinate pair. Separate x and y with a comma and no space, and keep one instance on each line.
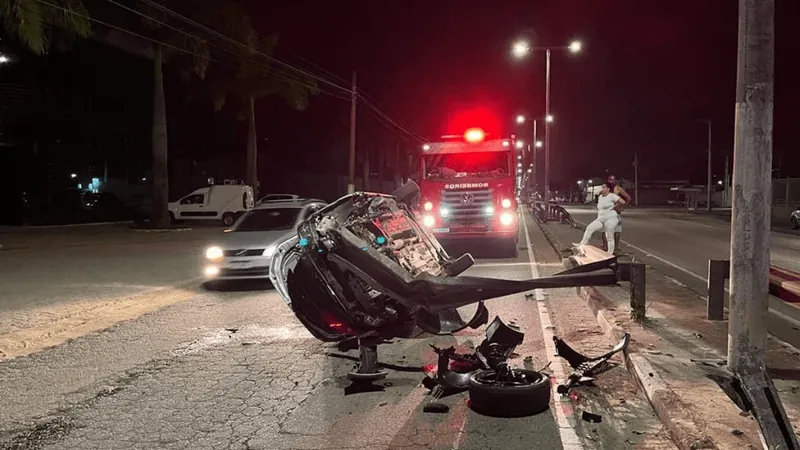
(680,245)
(689,241)
(230,369)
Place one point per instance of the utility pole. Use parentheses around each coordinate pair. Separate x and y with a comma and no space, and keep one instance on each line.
(709,180)
(534,149)
(547,138)
(351,182)
(750,227)
(636,178)
(727,184)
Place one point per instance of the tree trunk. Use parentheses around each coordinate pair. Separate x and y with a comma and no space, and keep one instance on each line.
(159,216)
(251,176)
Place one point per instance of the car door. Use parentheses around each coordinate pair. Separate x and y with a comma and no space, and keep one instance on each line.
(193,206)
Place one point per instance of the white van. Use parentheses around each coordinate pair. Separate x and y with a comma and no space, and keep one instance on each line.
(224,202)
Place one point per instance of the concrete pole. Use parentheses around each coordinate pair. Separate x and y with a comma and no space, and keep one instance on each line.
(351,181)
(636,178)
(752,165)
(710,181)
(727,184)
(547,136)
(535,150)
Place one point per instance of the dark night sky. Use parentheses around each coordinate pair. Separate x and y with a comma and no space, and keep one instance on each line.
(650,70)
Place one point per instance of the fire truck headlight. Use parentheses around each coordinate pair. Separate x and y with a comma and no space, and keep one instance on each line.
(428,221)
(506,219)
(506,203)
(444,212)
(428,206)
(489,210)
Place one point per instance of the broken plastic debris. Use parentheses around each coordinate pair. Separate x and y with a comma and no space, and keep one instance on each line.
(591,418)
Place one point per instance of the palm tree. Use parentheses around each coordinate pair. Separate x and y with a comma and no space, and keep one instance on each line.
(34,23)
(220,16)
(258,78)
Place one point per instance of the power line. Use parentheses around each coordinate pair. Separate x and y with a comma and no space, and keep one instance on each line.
(376,112)
(364,97)
(234,41)
(188,52)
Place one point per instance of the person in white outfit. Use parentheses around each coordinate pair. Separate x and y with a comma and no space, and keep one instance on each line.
(608,204)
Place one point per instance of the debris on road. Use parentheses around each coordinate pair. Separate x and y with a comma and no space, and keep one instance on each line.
(591,417)
(585,368)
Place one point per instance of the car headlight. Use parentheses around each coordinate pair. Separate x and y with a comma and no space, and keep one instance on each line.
(269,251)
(214,253)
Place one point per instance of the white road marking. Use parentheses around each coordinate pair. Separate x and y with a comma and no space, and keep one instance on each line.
(509,264)
(569,437)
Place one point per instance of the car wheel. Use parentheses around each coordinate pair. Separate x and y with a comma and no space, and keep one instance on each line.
(228,219)
(795,224)
(172,217)
(527,394)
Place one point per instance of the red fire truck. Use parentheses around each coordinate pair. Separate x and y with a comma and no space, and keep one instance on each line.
(468,189)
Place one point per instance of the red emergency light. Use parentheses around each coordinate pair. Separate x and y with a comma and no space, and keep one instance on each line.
(474,135)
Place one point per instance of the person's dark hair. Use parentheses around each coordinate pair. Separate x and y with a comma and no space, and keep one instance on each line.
(610,186)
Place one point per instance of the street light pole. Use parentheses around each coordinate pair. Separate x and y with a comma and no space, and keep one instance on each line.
(535,164)
(547,136)
(351,181)
(709,185)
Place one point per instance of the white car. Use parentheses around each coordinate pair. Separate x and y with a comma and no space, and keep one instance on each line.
(224,202)
(245,251)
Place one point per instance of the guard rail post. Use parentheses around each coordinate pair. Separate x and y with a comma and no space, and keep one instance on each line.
(718,271)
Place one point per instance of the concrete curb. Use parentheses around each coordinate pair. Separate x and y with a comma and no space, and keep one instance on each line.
(685,431)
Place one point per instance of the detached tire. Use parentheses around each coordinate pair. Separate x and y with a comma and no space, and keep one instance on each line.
(507,399)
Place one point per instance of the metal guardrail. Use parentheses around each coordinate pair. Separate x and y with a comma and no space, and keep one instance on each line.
(783,284)
(633,272)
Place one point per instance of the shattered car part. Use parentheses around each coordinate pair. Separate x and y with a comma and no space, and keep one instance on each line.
(584,367)
(454,370)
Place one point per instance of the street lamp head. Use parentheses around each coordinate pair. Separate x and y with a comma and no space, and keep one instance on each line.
(520,119)
(539,144)
(520,49)
(575,46)
(549,118)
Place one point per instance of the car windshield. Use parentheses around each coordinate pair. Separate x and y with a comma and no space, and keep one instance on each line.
(467,164)
(269,219)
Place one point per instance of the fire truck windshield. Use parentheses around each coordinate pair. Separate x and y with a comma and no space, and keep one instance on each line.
(456,165)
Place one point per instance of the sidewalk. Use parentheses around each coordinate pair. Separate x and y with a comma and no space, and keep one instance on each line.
(674,354)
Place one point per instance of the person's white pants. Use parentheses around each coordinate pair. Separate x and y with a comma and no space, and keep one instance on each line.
(606,222)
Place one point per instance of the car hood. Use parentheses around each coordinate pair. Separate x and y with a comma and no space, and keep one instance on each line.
(252,239)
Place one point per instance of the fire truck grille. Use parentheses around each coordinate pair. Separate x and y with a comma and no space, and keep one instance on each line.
(467,204)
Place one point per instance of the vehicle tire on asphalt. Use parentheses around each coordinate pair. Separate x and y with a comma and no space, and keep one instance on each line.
(228,219)
(172,218)
(490,398)
(795,224)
